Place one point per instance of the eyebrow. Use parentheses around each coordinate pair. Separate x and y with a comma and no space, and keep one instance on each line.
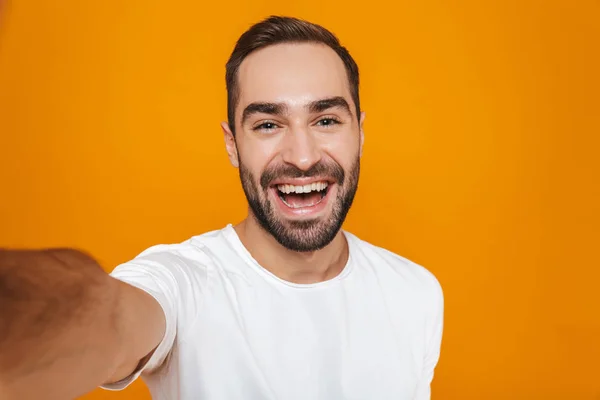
(263,108)
(332,102)
(279,109)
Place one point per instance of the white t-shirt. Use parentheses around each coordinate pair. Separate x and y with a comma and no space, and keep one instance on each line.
(236,331)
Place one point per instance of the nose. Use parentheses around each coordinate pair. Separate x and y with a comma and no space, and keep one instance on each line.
(300,148)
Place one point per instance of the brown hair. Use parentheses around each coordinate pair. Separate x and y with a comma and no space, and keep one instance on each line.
(276,30)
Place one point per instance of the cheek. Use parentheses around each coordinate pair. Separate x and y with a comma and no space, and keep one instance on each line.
(343,149)
(256,154)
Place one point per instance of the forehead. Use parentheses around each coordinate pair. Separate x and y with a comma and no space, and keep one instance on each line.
(293,73)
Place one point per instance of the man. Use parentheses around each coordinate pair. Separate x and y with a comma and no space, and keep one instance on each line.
(284,305)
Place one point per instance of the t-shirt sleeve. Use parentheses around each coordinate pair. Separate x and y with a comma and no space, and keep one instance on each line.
(434,329)
(173,281)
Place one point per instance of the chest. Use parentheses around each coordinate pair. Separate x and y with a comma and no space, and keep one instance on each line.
(343,343)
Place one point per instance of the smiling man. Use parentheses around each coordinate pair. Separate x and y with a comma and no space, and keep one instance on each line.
(284,305)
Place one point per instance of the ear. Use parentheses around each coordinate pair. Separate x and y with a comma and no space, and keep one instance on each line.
(362,132)
(230,145)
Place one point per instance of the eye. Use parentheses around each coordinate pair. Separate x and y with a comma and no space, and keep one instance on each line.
(267,126)
(328,121)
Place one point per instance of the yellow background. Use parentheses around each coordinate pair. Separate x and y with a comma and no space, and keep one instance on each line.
(481,157)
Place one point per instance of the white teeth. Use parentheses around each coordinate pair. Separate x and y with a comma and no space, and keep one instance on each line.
(316,186)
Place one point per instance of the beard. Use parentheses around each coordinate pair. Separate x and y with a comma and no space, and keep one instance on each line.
(305,235)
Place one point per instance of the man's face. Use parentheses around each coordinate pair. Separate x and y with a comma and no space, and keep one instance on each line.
(297,142)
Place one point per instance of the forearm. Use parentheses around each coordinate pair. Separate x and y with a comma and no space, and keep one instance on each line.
(58,332)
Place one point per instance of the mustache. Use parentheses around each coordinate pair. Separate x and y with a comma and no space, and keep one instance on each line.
(321,169)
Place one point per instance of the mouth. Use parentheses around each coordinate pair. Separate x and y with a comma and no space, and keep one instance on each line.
(302,196)
(302,200)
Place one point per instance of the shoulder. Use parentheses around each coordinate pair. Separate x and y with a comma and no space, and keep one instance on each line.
(177,275)
(181,262)
(194,251)
(399,272)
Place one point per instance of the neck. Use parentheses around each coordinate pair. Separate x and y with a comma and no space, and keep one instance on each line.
(292,266)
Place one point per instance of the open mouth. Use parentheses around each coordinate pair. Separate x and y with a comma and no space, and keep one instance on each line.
(301,196)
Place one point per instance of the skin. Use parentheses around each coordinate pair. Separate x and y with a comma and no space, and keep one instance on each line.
(294,76)
(66,326)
